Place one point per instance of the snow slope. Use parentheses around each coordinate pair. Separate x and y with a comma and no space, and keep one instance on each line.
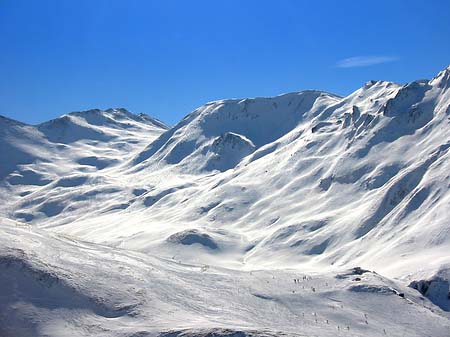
(55,285)
(305,182)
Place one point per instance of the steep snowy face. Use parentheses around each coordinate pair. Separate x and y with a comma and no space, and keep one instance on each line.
(442,80)
(225,151)
(255,122)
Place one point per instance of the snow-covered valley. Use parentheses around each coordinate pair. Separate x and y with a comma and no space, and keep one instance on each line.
(247,218)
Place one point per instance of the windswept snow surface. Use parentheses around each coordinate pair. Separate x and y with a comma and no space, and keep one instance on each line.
(114,224)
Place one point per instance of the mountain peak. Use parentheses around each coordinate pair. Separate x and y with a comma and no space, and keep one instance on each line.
(442,79)
(380,83)
(253,121)
(118,110)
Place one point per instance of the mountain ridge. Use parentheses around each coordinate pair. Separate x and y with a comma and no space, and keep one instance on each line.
(305,181)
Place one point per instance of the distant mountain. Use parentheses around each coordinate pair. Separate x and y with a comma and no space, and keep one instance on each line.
(309,181)
(97,125)
(88,131)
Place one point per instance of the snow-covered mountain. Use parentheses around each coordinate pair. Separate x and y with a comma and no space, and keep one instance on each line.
(304,183)
(76,149)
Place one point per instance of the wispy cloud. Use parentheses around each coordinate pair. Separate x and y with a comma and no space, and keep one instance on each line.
(364,61)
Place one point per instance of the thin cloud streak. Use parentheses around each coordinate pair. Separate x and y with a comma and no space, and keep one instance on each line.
(364,61)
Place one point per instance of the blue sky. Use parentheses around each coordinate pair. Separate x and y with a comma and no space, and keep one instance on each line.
(167,57)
